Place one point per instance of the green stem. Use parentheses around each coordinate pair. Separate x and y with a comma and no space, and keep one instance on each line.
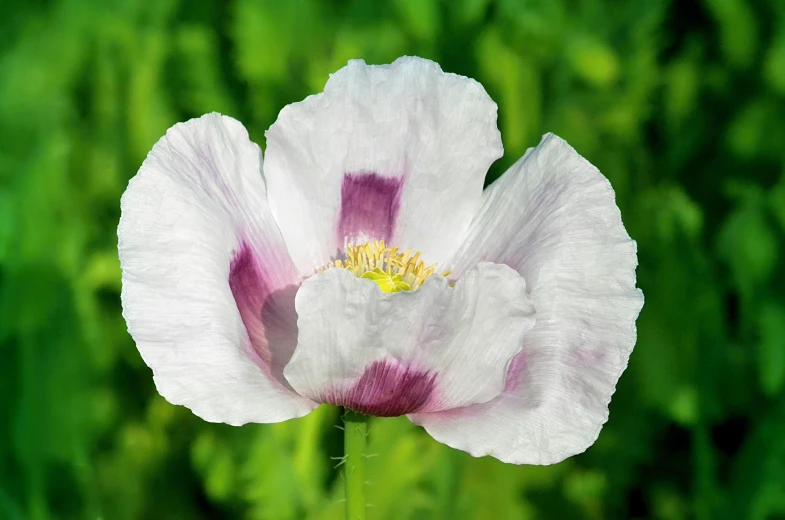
(355,434)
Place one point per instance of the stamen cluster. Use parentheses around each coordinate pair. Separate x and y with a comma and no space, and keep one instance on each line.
(391,269)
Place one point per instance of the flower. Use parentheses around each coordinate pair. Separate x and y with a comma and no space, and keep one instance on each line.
(362,264)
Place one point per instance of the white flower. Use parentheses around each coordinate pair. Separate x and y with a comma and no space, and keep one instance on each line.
(256,291)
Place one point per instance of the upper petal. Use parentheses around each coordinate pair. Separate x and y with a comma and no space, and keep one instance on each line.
(553,218)
(392,353)
(395,152)
(194,219)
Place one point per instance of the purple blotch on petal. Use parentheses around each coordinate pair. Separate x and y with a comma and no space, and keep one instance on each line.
(369,207)
(387,389)
(516,370)
(269,316)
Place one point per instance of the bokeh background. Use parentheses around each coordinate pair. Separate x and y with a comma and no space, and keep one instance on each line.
(680,103)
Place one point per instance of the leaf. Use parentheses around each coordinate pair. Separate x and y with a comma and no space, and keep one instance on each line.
(774,63)
(771,348)
(593,60)
(747,243)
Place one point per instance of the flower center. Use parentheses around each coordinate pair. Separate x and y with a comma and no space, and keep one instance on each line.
(392,270)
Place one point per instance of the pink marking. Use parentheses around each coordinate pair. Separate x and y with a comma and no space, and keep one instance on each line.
(269,316)
(515,371)
(369,207)
(387,389)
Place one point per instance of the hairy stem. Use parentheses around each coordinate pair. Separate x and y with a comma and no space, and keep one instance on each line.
(354,440)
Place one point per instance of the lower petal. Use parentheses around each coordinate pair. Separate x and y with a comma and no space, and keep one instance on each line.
(386,354)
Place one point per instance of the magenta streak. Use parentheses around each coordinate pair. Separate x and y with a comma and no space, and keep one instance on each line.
(387,389)
(369,206)
(515,371)
(269,316)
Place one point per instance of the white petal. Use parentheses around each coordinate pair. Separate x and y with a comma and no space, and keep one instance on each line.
(431,349)
(553,218)
(197,209)
(395,152)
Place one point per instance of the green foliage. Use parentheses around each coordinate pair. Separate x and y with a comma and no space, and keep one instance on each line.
(680,103)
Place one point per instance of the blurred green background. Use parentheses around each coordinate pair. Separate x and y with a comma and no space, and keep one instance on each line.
(680,103)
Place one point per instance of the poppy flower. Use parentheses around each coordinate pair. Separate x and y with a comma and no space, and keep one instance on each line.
(361,264)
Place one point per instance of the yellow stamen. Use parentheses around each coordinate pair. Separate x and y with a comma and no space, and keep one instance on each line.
(391,270)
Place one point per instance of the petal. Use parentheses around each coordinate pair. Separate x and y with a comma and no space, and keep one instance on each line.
(392,353)
(194,217)
(395,152)
(553,218)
